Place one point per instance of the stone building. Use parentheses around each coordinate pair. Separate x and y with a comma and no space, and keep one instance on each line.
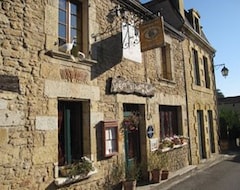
(79,81)
(199,77)
(201,97)
(229,114)
(229,103)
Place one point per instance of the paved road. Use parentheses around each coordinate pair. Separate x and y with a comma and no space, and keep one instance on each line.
(222,176)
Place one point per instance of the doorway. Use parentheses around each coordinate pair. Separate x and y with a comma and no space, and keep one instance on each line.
(131,124)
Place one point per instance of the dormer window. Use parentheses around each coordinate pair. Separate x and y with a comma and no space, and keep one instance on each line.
(70,24)
(194,19)
(196,25)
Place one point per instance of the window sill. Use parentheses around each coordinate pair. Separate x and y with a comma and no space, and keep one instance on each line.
(61,181)
(174,147)
(70,58)
(167,81)
(202,89)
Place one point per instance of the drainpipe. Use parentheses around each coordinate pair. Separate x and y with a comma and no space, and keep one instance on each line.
(186,97)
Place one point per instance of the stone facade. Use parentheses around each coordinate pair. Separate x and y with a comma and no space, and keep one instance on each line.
(201,97)
(42,78)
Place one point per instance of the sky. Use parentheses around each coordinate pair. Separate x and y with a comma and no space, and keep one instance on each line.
(221,24)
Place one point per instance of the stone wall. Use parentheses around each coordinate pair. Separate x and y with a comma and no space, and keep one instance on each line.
(29,111)
(178,158)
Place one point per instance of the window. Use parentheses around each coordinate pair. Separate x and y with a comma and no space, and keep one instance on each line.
(70,23)
(196,25)
(211,131)
(166,62)
(196,67)
(206,72)
(73,131)
(169,121)
(110,138)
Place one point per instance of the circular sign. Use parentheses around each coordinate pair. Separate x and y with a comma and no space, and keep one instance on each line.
(150,131)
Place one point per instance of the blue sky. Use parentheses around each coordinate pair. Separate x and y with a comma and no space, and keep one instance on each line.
(221,24)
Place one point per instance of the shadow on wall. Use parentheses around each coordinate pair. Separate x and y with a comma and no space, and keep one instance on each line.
(108,53)
(99,141)
(51,186)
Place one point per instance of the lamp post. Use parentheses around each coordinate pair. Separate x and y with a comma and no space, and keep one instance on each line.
(224,70)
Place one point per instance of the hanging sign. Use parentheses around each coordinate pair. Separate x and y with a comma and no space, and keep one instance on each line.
(152,34)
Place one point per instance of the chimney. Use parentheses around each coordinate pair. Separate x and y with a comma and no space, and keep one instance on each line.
(179,6)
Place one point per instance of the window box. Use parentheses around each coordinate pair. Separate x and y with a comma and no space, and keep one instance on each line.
(110,138)
(61,181)
(170,143)
(75,172)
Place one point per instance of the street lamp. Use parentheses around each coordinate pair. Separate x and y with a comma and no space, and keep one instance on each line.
(224,70)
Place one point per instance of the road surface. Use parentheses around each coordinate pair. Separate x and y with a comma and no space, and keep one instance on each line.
(222,176)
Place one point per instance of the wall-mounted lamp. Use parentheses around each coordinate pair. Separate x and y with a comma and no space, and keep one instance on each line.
(224,70)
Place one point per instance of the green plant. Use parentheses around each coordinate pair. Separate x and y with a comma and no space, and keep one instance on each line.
(132,172)
(131,122)
(154,161)
(157,160)
(82,167)
(164,160)
(117,172)
(166,143)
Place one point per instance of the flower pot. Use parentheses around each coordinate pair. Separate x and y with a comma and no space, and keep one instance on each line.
(130,185)
(155,176)
(118,186)
(164,174)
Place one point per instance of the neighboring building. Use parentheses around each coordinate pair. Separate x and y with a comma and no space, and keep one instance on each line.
(229,103)
(199,78)
(202,103)
(229,117)
(107,100)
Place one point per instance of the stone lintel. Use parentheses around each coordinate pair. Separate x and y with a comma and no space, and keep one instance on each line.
(46,122)
(55,89)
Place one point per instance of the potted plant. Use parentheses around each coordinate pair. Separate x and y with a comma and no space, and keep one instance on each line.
(131,123)
(164,162)
(117,175)
(155,166)
(132,175)
(166,144)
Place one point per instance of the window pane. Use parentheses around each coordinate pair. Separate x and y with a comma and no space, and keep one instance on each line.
(62,4)
(61,41)
(73,21)
(61,30)
(73,8)
(62,16)
(73,33)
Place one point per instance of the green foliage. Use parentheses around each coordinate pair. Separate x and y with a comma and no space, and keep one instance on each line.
(229,118)
(154,161)
(157,160)
(82,167)
(117,172)
(132,172)
(219,93)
